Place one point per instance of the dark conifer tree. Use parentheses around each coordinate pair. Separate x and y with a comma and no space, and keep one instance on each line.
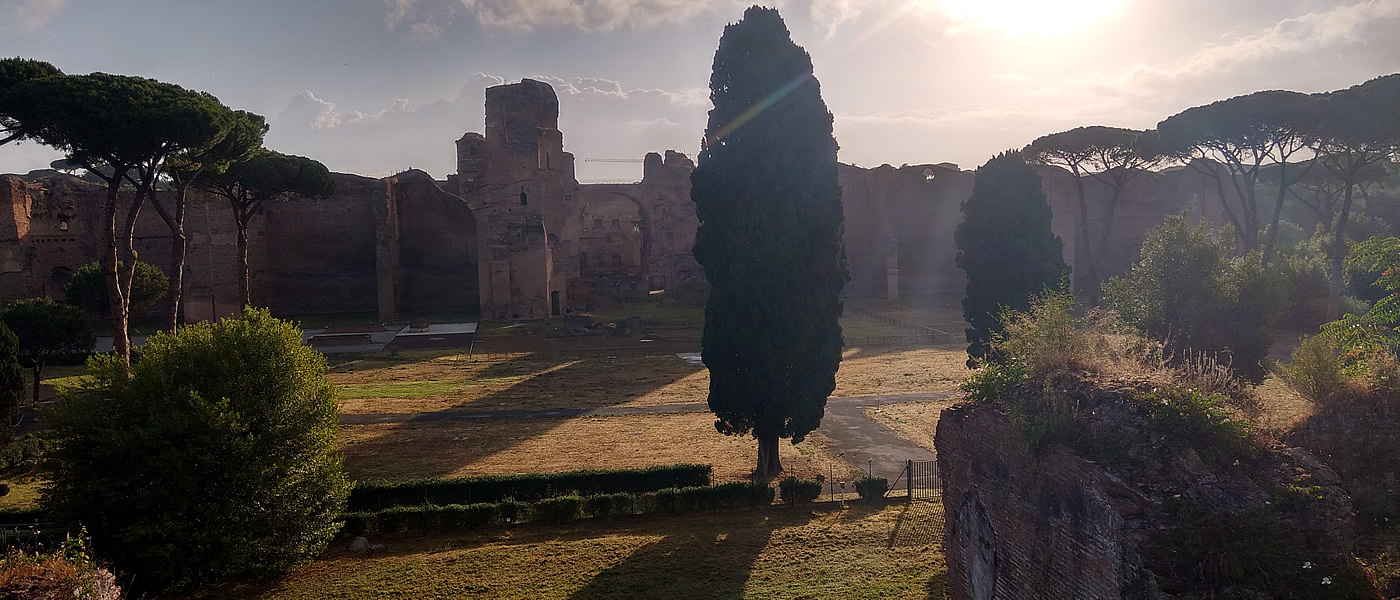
(1005,246)
(770,238)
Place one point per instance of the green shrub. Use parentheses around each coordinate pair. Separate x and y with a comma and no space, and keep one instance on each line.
(360,523)
(214,459)
(795,490)
(25,448)
(512,511)
(1187,418)
(525,487)
(605,505)
(1317,368)
(872,488)
(991,380)
(558,508)
(1047,336)
(659,501)
(1188,292)
(87,289)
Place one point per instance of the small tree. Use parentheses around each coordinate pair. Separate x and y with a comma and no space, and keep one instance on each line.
(11,381)
(244,136)
(215,460)
(88,290)
(769,204)
(1187,292)
(250,183)
(1005,246)
(48,330)
(121,129)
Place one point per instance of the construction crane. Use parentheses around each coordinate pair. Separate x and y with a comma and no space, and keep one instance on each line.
(614,160)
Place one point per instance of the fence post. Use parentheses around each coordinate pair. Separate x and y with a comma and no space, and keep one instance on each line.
(909,481)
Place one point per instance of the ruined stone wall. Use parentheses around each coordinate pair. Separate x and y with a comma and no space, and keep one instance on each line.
(1025,526)
(1162,509)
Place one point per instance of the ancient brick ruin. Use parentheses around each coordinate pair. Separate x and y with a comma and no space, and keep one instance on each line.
(514,235)
(1131,517)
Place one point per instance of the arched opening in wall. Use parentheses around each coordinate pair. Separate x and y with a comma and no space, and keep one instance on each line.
(57,279)
(614,246)
(437,272)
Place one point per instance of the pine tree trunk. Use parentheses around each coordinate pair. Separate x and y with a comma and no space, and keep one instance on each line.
(1089,280)
(178,246)
(121,343)
(244,278)
(1339,255)
(35,395)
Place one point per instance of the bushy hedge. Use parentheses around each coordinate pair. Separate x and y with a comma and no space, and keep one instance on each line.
(557,509)
(526,487)
(795,490)
(872,488)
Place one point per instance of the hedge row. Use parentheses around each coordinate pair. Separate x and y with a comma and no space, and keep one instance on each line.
(526,487)
(426,519)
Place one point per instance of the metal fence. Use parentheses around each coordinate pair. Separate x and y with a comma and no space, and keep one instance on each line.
(919,479)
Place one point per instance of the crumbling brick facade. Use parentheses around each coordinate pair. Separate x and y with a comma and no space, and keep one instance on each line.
(514,235)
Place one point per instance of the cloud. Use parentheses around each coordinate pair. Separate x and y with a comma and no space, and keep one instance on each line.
(1296,35)
(28,15)
(427,18)
(599,118)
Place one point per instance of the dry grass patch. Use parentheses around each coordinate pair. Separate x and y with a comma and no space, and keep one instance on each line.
(461,448)
(863,552)
(1283,407)
(448,382)
(913,421)
(519,382)
(876,371)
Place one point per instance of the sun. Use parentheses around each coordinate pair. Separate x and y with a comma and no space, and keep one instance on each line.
(1042,17)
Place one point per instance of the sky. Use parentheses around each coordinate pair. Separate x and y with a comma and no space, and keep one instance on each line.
(378,86)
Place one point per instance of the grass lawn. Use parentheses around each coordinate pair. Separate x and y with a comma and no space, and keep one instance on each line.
(460,448)
(891,551)
(432,381)
(913,421)
(24,488)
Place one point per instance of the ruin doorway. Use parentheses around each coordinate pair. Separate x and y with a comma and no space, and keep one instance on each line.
(554,303)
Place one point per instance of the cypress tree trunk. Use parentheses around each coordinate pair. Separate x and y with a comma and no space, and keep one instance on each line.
(769,464)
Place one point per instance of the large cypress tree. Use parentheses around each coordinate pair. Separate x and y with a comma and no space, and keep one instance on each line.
(769,205)
(1005,246)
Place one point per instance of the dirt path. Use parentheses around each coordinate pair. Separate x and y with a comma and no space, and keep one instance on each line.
(866,443)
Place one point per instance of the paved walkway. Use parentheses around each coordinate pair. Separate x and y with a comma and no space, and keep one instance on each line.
(862,441)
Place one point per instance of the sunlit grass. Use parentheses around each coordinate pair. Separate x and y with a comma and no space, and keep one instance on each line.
(863,552)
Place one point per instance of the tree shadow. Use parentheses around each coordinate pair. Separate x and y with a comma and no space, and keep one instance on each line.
(438,443)
(920,523)
(707,560)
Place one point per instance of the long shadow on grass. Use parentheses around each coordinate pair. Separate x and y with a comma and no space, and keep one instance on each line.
(705,560)
(417,448)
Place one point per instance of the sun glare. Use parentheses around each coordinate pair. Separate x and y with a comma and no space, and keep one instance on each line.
(1042,17)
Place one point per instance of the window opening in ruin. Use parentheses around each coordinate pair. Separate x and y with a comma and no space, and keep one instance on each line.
(617,224)
(554,303)
(597,224)
(523,198)
(617,261)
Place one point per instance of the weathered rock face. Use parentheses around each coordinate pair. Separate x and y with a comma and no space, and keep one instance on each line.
(1145,518)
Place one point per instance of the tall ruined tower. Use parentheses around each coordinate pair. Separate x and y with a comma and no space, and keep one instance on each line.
(510,178)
